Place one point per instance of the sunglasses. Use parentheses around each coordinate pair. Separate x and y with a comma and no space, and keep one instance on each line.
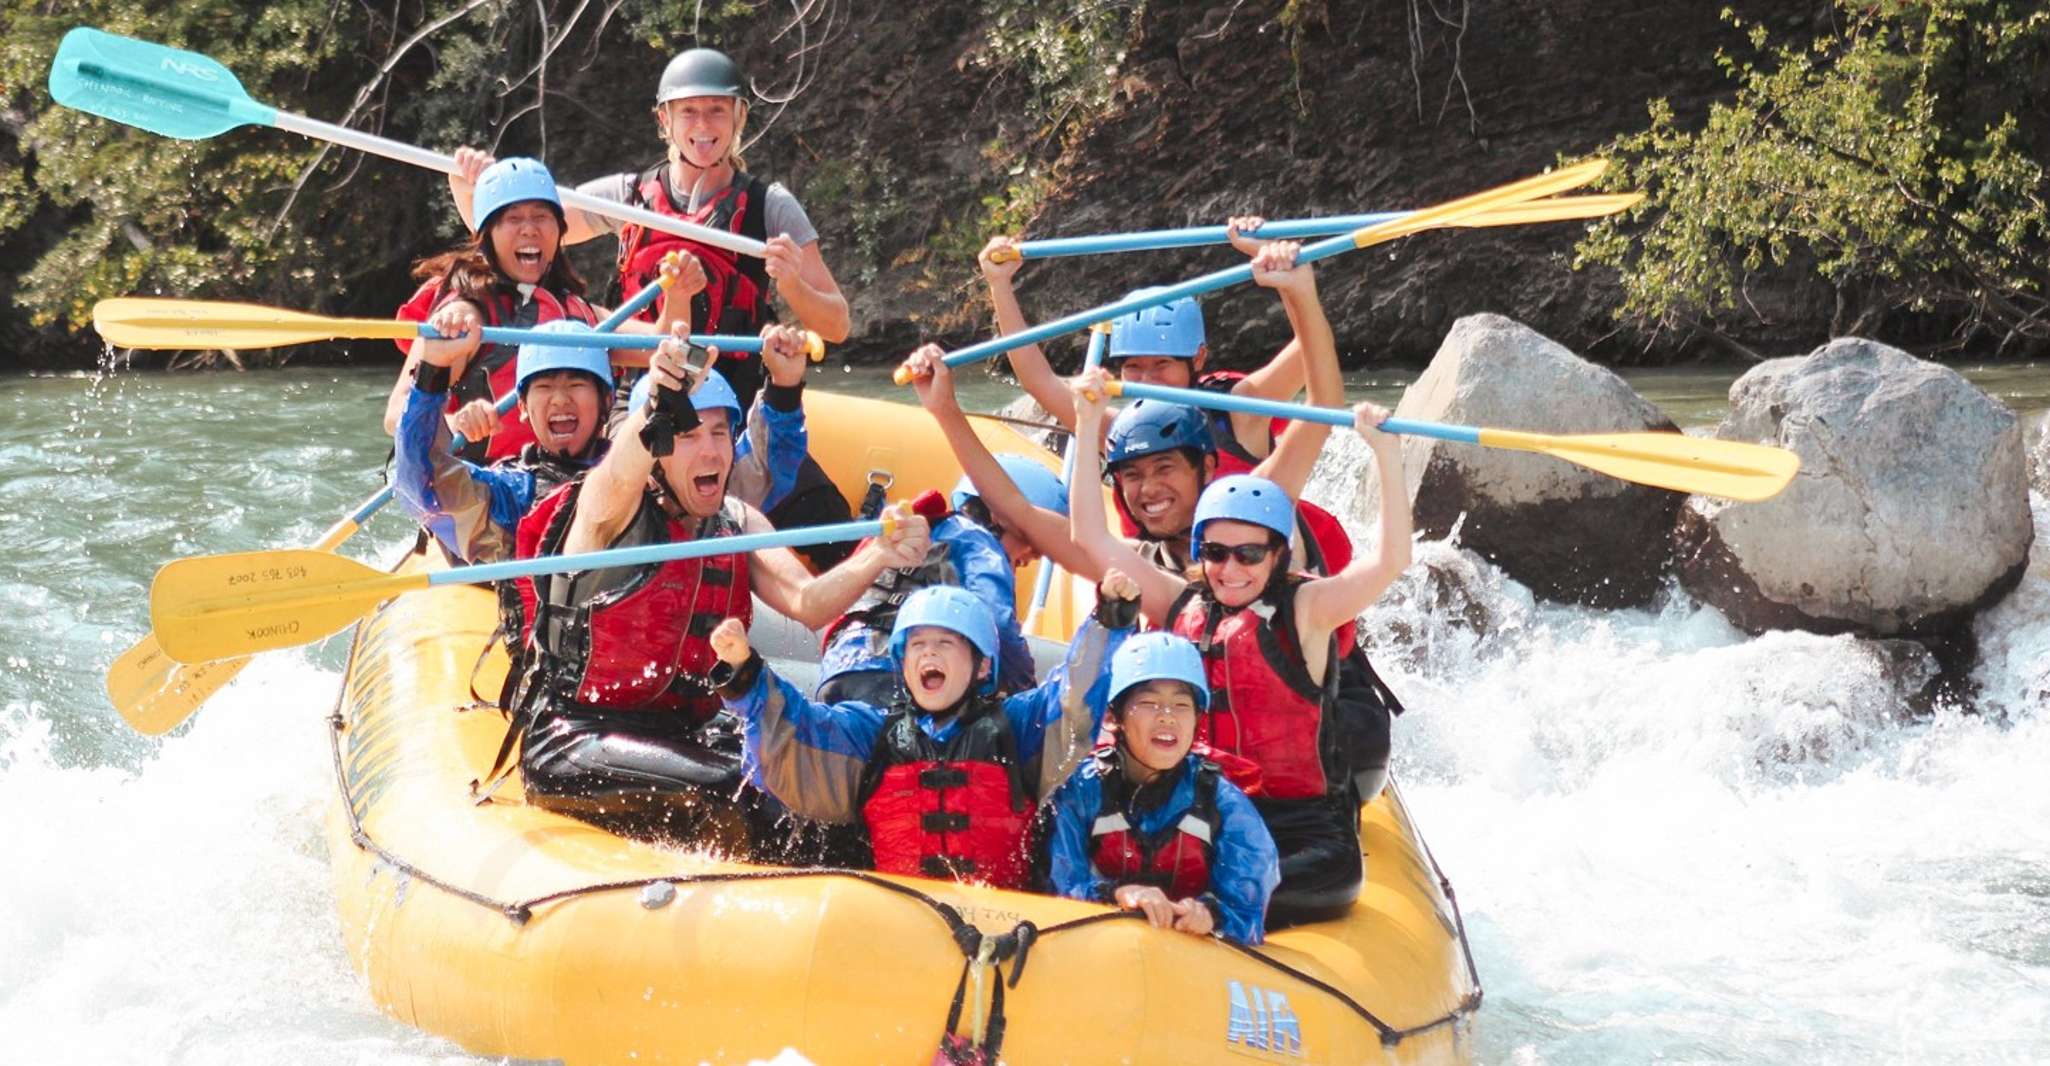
(1246,554)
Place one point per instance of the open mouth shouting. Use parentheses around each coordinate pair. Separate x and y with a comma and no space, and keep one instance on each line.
(707,487)
(558,432)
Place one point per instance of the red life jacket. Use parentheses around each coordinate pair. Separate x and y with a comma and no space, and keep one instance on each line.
(1175,860)
(959,809)
(641,643)
(734,283)
(1263,703)
(494,369)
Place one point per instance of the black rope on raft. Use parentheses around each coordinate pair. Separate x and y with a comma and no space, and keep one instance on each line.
(1013,946)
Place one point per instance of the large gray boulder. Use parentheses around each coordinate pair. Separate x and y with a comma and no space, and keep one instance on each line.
(1567,533)
(1910,513)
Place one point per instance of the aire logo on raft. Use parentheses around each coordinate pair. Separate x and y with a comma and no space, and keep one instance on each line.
(1261,1020)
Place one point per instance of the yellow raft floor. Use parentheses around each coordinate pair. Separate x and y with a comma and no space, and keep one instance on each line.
(518,932)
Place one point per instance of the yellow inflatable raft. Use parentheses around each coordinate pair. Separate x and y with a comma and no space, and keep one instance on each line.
(517,932)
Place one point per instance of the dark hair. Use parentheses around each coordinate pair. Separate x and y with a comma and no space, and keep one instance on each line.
(1194,455)
(976,511)
(470,271)
(1194,573)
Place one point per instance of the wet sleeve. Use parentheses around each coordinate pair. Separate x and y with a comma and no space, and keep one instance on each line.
(1055,724)
(986,571)
(471,510)
(771,453)
(1074,808)
(617,188)
(1244,868)
(781,213)
(809,755)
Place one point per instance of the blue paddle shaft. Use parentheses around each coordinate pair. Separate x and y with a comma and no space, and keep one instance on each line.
(1300,412)
(632,307)
(657,553)
(650,341)
(369,508)
(1222,279)
(1194,236)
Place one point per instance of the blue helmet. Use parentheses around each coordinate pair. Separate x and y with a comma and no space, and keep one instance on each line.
(1174,329)
(951,608)
(1042,487)
(1244,498)
(1158,656)
(510,181)
(538,359)
(1150,426)
(711,394)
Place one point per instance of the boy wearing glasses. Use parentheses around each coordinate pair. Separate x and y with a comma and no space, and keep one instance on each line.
(1271,640)
(1150,824)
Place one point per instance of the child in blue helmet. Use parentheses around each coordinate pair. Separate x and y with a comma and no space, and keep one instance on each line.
(970,550)
(948,776)
(510,274)
(470,509)
(1166,345)
(1151,824)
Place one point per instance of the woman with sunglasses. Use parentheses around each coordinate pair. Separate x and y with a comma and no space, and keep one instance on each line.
(1271,639)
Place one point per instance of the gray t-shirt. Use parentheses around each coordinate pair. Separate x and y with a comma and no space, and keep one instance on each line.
(780,214)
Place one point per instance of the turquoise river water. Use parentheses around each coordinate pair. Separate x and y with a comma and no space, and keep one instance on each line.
(1674,842)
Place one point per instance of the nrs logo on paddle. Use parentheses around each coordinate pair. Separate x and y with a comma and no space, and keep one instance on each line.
(1262,1021)
(190,70)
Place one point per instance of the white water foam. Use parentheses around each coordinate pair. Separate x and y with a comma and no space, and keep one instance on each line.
(1673,842)
(1677,843)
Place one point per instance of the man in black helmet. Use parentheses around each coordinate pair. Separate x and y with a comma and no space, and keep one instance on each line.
(701,113)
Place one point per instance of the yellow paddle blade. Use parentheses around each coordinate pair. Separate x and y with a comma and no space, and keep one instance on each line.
(154,692)
(1516,192)
(1557,209)
(1731,469)
(225,606)
(184,325)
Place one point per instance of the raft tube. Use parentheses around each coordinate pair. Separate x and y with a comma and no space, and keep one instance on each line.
(517,932)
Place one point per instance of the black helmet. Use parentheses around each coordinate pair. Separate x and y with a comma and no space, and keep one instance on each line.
(699,72)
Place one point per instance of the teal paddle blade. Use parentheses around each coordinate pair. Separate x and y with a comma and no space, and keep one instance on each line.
(166,91)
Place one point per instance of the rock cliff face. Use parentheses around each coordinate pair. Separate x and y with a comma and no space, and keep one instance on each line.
(1303,108)
(909,130)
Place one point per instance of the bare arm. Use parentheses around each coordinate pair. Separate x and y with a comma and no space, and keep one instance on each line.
(1088,524)
(1045,530)
(1295,454)
(1029,362)
(612,490)
(806,284)
(1326,603)
(781,580)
